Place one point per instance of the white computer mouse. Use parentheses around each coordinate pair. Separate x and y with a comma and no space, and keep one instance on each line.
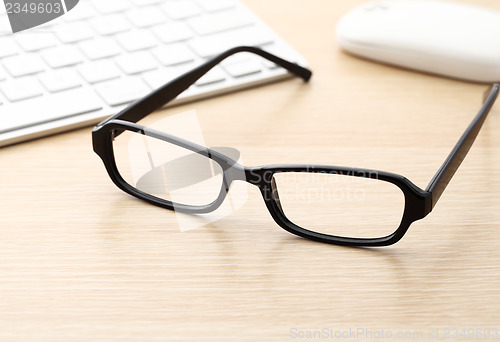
(441,37)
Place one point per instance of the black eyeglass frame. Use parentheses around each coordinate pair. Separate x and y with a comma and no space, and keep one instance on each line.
(418,202)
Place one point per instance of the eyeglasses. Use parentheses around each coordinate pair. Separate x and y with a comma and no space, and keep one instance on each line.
(328,204)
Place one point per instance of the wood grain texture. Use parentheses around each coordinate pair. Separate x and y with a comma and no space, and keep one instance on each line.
(82,261)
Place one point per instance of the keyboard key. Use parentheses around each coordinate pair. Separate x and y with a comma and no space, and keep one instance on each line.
(99,71)
(36,41)
(146,2)
(158,78)
(17,90)
(49,108)
(8,47)
(122,91)
(61,56)
(23,65)
(74,32)
(219,22)
(4,23)
(59,80)
(110,24)
(83,11)
(243,68)
(215,5)
(284,52)
(136,40)
(173,32)
(100,48)
(136,62)
(146,16)
(214,75)
(181,9)
(240,57)
(111,6)
(173,54)
(211,45)
(270,65)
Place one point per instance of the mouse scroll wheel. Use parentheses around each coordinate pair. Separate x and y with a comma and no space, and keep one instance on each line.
(376,8)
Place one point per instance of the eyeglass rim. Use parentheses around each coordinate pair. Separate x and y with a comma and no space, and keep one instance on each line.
(416,206)
(103,145)
(417,202)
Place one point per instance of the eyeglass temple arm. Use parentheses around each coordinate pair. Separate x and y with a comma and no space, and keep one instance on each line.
(172,89)
(457,155)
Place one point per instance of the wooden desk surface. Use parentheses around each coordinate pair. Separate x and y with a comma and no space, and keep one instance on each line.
(82,261)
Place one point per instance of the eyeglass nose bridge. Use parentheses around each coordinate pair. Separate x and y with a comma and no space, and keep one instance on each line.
(257,176)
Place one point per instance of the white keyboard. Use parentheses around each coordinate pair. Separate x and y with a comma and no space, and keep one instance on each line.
(103,54)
